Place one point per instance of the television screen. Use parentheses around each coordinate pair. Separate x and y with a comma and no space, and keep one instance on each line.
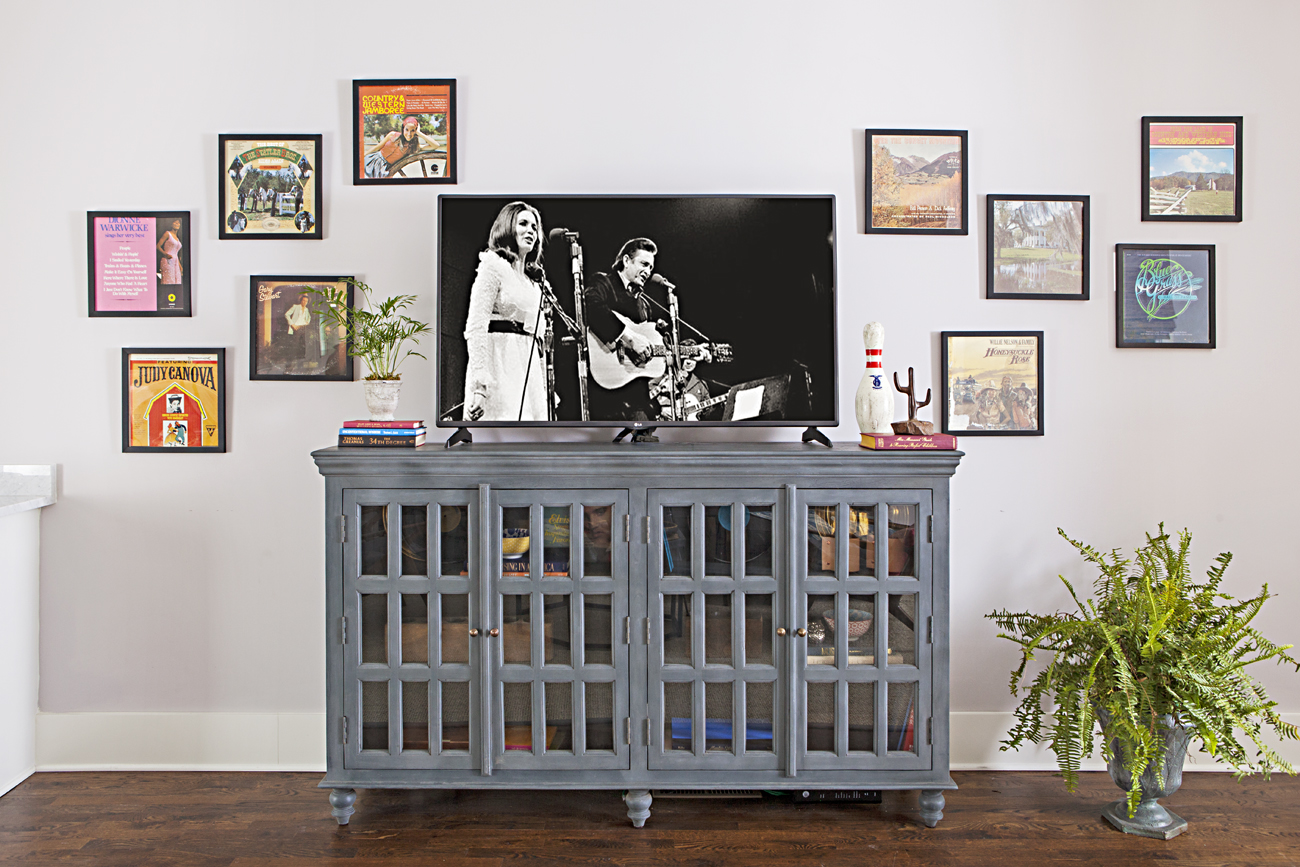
(636,311)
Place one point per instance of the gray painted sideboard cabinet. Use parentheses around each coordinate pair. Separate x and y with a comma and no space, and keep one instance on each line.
(635,617)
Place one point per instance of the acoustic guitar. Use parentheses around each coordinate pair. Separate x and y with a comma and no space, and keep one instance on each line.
(612,368)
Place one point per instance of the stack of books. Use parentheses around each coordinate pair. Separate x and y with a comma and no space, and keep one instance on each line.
(396,434)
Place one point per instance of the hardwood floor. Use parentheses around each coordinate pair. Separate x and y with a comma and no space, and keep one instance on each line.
(994,819)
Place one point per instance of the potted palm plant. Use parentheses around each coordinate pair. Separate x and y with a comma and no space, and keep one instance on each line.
(377,334)
(1153,660)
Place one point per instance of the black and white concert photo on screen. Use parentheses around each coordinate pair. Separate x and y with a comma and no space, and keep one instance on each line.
(620,310)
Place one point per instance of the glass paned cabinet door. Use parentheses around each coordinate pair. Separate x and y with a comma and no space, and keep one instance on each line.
(716,564)
(410,668)
(861,643)
(559,596)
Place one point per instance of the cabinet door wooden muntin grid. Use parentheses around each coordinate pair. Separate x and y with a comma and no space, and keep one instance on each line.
(428,677)
(579,677)
(674,592)
(903,680)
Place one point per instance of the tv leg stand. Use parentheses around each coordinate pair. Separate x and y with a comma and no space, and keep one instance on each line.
(639,435)
(462,435)
(812,435)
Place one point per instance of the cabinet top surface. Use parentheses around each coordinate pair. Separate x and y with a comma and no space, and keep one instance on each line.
(636,459)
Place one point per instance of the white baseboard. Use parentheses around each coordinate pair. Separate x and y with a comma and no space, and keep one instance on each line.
(296,742)
(8,785)
(180,741)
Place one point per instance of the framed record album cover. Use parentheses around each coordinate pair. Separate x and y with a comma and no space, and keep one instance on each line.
(918,181)
(992,382)
(1191,169)
(138,263)
(1037,247)
(404,131)
(287,338)
(1164,296)
(269,187)
(174,400)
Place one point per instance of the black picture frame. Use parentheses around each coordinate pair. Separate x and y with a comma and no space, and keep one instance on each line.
(996,407)
(1185,147)
(1060,235)
(1192,267)
(383,104)
(195,377)
(926,164)
(288,173)
(279,354)
(120,283)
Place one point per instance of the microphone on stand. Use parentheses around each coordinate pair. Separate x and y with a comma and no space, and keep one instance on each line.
(658,278)
(556,234)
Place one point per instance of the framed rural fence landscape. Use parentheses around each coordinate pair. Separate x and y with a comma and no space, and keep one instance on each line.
(1191,169)
(1037,247)
(917,184)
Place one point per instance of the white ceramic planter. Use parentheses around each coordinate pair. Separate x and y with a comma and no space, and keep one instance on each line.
(381,398)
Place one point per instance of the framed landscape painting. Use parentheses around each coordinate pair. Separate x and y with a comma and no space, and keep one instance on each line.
(1164,296)
(1191,169)
(269,187)
(918,181)
(992,382)
(1037,247)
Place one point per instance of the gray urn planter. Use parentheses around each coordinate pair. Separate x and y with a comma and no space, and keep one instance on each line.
(1150,819)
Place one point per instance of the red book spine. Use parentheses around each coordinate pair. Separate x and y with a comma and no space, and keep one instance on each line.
(909,442)
(382,424)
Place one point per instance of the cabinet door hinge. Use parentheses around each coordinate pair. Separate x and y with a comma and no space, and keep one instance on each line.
(627,630)
(627,731)
(647,529)
(929,727)
(343,630)
(929,630)
(647,631)
(343,528)
(647,731)
(627,528)
(929,528)
(345,730)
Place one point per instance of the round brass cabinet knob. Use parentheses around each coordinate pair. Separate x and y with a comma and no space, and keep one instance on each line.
(494,632)
(473,633)
(780,630)
(801,632)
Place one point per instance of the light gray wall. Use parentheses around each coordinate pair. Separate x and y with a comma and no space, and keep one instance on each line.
(193,582)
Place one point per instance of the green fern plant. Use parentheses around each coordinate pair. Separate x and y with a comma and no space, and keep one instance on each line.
(1152,641)
(377,333)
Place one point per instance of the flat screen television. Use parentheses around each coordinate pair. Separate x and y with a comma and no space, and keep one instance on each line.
(688,310)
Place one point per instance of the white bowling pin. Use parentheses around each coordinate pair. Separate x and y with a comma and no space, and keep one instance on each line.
(875,400)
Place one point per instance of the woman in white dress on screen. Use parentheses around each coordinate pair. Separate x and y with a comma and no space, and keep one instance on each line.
(505,379)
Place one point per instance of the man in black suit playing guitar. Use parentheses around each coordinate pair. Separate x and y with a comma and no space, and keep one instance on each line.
(618,321)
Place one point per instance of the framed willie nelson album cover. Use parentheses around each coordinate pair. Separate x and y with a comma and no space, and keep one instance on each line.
(404,131)
(173,400)
(269,187)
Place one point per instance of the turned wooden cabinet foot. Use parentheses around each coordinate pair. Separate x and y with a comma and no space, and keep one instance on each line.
(638,806)
(931,806)
(341,801)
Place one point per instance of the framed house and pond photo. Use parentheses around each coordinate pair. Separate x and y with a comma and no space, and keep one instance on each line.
(992,382)
(138,263)
(1037,247)
(1191,169)
(1164,296)
(404,131)
(174,400)
(270,187)
(918,181)
(287,338)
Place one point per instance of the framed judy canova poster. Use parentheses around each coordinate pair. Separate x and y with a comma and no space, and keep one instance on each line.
(269,187)
(174,400)
(138,263)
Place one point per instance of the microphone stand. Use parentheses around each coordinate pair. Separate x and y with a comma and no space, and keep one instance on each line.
(551,307)
(675,362)
(580,327)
